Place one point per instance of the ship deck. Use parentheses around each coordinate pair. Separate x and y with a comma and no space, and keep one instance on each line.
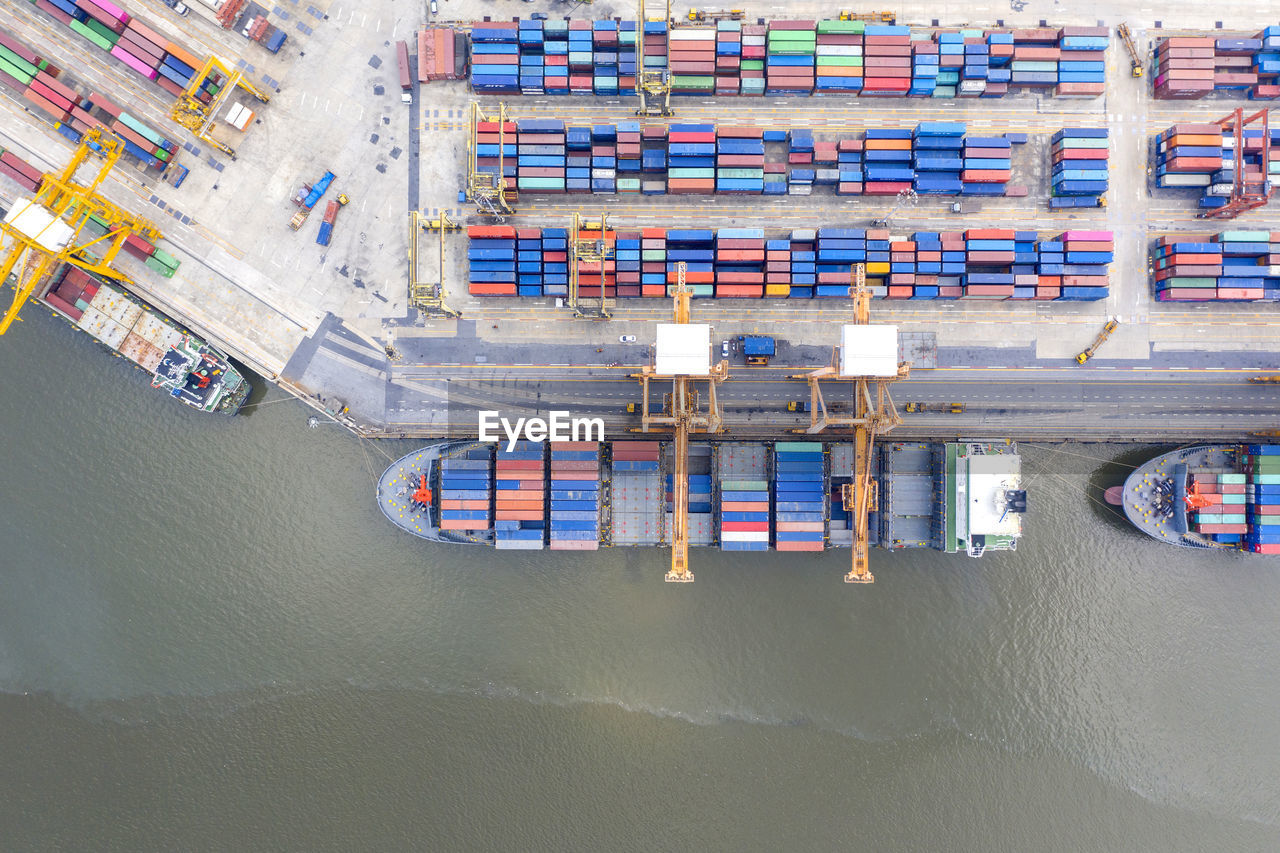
(1154,493)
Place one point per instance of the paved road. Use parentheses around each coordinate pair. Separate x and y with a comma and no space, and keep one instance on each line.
(1014,403)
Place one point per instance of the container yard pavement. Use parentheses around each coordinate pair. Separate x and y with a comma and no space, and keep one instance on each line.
(321,316)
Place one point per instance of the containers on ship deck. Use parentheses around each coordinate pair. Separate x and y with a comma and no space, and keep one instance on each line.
(1261,464)
(636,489)
(575,496)
(799,491)
(519,496)
(466,488)
(744,515)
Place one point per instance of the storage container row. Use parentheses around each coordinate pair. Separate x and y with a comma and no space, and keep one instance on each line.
(1190,67)
(990,263)
(798,57)
(1232,266)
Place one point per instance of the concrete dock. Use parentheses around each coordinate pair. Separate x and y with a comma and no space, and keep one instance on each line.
(333,324)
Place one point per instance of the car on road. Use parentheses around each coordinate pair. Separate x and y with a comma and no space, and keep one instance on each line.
(626,339)
(724,349)
(434,8)
(539,16)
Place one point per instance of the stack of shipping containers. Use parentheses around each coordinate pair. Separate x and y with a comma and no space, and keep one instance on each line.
(691,159)
(53,94)
(653,262)
(936,158)
(636,490)
(1262,466)
(740,262)
(807,57)
(744,515)
(790,57)
(992,263)
(491,256)
(27,176)
(519,507)
(1190,67)
(494,140)
(987,166)
(799,496)
(1224,518)
(1079,164)
(465,489)
(886,60)
(838,56)
(529,275)
(1088,254)
(692,59)
(1231,266)
(575,496)
(938,152)
(728,57)
(495,57)
(627,149)
(540,155)
(438,54)
(1203,155)
(133,43)
(740,160)
(701,521)
(754,52)
(696,248)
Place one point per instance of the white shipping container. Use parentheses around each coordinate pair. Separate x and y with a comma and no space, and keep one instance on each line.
(1189,179)
(125,312)
(839,50)
(92,321)
(744,536)
(693,35)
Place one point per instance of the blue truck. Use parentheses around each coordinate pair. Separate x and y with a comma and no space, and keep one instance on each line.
(758,349)
(307,197)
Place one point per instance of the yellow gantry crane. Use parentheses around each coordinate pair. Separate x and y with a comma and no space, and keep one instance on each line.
(652,85)
(426,296)
(586,248)
(487,190)
(682,414)
(873,415)
(196,115)
(43,232)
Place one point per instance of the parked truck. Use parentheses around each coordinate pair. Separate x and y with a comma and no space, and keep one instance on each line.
(330,214)
(952,408)
(757,348)
(306,198)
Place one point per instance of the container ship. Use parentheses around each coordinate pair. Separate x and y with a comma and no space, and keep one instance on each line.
(178,362)
(1223,496)
(743,496)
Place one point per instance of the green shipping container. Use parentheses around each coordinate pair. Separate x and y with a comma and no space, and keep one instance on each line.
(539,184)
(840,61)
(1183,281)
(680,81)
(743,486)
(165,258)
(155,265)
(857,27)
(756,174)
(141,129)
(1232,479)
(102,30)
(1232,499)
(15,72)
(628,185)
(699,172)
(1267,479)
(17,61)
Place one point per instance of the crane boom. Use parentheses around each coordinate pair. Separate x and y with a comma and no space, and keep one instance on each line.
(42,232)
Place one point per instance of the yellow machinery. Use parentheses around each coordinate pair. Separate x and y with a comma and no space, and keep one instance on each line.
(870,418)
(197,116)
(870,17)
(42,233)
(586,248)
(698,15)
(652,85)
(488,190)
(682,414)
(426,296)
(1135,60)
(1098,341)
(1271,379)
